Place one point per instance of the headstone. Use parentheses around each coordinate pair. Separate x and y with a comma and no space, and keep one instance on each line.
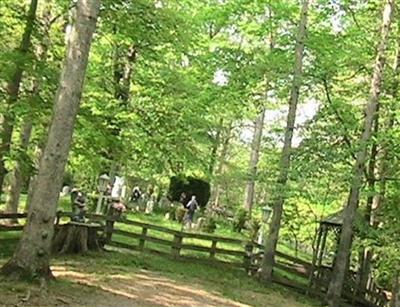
(116,191)
(65,191)
(164,202)
(149,206)
(123,191)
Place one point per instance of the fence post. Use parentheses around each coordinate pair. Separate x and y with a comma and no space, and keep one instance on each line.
(109,228)
(176,245)
(248,256)
(213,248)
(142,240)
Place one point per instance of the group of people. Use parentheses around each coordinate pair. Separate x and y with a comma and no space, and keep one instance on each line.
(149,199)
(79,205)
(137,201)
(143,201)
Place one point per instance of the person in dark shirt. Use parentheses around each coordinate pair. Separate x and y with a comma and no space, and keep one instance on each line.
(78,201)
(191,207)
(136,194)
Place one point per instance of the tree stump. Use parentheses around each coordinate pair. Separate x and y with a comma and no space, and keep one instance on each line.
(76,238)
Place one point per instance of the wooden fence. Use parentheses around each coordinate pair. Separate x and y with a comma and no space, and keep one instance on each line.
(139,236)
(133,235)
(180,244)
(121,233)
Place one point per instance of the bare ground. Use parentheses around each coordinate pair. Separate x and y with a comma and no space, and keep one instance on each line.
(143,288)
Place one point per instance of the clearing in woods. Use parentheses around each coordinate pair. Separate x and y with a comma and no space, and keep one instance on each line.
(117,279)
(144,288)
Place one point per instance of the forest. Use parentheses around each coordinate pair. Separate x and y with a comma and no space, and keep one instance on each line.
(269,124)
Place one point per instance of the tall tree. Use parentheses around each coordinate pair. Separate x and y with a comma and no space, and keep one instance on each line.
(215,145)
(384,170)
(384,166)
(254,157)
(343,253)
(226,138)
(18,172)
(13,87)
(32,255)
(378,167)
(284,164)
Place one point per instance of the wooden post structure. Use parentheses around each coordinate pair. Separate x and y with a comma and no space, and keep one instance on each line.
(99,203)
(110,220)
(314,260)
(322,249)
(213,249)
(176,245)
(248,256)
(142,240)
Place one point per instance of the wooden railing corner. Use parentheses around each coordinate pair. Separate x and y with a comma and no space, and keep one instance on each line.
(176,245)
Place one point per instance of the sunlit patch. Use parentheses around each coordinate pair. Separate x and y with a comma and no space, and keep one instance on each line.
(146,287)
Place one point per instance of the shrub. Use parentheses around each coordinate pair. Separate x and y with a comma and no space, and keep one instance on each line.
(209,225)
(64,204)
(255,225)
(170,211)
(240,220)
(190,186)
(180,214)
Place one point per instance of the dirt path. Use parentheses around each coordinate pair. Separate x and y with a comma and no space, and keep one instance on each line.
(141,288)
(145,289)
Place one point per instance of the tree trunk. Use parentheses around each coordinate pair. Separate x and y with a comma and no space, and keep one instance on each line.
(17,176)
(376,201)
(221,166)
(122,77)
(214,150)
(12,89)
(366,253)
(39,148)
(31,187)
(343,253)
(254,157)
(76,238)
(382,172)
(284,165)
(32,255)
(385,162)
(395,300)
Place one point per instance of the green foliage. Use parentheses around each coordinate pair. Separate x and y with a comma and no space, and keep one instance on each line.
(189,186)
(209,225)
(170,211)
(240,219)
(180,213)
(255,225)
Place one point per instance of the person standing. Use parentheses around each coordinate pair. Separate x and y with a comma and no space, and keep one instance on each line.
(136,194)
(78,202)
(191,207)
